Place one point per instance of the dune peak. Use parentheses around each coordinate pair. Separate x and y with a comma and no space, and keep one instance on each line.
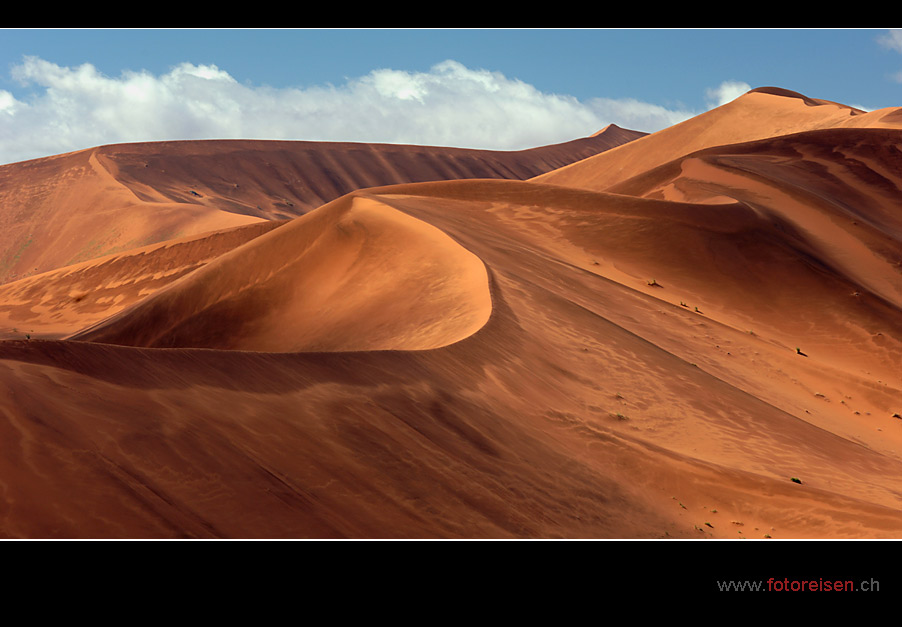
(788,93)
(609,127)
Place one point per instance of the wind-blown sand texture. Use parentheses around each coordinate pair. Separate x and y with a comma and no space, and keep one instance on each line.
(647,342)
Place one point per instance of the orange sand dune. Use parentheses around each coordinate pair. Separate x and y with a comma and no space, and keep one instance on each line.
(759,114)
(69,208)
(707,347)
(836,190)
(766,287)
(65,209)
(352,275)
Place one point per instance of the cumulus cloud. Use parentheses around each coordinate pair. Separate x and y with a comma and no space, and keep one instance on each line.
(892,39)
(70,108)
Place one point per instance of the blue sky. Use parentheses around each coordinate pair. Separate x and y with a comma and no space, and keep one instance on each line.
(67,89)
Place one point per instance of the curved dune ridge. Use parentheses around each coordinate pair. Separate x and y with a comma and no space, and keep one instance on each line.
(744,260)
(352,275)
(696,334)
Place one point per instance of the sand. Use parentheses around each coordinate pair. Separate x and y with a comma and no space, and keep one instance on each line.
(650,342)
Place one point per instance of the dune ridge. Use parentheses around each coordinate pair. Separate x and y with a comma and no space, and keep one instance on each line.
(284,179)
(759,114)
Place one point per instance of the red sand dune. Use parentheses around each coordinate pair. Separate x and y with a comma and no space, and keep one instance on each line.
(64,301)
(759,114)
(69,208)
(654,351)
(353,275)
(285,179)
(62,210)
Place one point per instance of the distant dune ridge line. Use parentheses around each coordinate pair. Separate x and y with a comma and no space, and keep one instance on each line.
(73,207)
(695,333)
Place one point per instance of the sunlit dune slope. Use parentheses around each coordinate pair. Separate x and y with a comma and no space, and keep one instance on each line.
(776,261)
(759,114)
(66,209)
(60,302)
(352,275)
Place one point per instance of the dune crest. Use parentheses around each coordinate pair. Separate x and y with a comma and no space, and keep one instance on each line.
(811,102)
(285,179)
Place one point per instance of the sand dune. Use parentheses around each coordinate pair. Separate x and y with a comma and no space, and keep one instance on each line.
(837,191)
(65,209)
(285,179)
(353,275)
(70,208)
(698,338)
(759,114)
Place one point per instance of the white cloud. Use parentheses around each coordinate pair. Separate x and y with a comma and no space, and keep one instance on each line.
(8,102)
(725,92)
(892,39)
(70,108)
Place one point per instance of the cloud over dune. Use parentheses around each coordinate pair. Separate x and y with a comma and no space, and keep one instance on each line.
(70,108)
(725,92)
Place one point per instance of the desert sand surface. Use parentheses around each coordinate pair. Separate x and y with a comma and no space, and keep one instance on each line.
(695,334)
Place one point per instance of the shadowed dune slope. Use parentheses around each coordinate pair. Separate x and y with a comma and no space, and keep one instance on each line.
(759,114)
(283,179)
(352,275)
